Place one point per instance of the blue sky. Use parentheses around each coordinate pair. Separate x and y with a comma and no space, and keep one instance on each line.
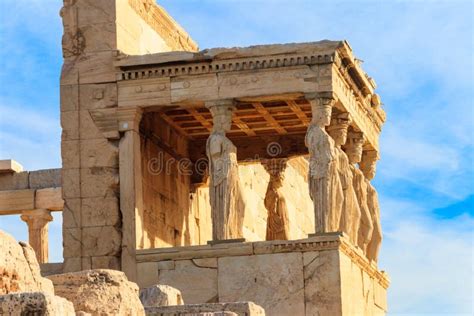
(420,54)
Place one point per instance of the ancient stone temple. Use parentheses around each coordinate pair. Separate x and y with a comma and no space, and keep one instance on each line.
(231,174)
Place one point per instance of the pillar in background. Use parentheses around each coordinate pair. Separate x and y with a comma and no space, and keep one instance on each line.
(37,221)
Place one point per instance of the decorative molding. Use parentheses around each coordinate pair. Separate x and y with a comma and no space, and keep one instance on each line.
(328,241)
(157,18)
(219,66)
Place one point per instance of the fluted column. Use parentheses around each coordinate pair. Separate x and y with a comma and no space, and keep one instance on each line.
(37,221)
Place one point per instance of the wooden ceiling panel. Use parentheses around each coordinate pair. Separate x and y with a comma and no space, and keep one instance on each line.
(249,119)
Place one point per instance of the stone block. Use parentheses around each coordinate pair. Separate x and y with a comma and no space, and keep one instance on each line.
(99,182)
(100,212)
(48,178)
(98,96)
(70,154)
(50,199)
(72,213)
(147,274)
(72,243)
(99,153)
(147,92)
(88,128)
(35,303)
(86,263)
(322,283)
(99,11)
(99,292)
(72,264)
(14,181)
(96,67)
(69,98)
(10,166)
(71,183)
(106,262)
(160,295)
(51,268)
(70,125)
(273,281)
(196,284)
(99,36)
(16,200)
(19,268)
(206,262)
(237,308)
(101,241)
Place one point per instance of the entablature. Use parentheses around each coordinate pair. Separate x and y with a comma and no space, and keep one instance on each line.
(274,73)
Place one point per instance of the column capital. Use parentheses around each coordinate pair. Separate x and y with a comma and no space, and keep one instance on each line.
(37,221)
(221,102)
(36,218)
(322,97)
(274,166)
(129,118)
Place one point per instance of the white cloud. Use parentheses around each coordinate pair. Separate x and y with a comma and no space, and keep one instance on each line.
(429,261)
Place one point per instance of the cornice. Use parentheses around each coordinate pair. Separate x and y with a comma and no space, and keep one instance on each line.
(226,65)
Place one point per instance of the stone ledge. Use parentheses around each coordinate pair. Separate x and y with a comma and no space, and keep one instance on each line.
(239,308)
(330,241)
(10,166)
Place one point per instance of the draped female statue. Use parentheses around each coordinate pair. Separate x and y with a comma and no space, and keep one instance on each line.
(275,203)
(350,216)
(227,205)
(368,167)
(324,183)
(353,147)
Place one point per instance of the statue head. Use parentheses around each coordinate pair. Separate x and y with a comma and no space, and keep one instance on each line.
(368,164)
(338,128)
(321,109)
(276,170)
(354,146)
(221,117)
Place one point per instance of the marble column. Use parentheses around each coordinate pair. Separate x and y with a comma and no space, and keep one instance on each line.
(37,221)
(131,195)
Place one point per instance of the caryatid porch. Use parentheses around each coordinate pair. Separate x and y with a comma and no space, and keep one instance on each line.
(271,93)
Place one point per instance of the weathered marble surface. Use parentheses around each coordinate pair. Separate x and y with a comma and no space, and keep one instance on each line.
(35,303)
(19,269)
(296,277)
(215,309)
(99,292)
(274,281)
(160,295)
(197,283)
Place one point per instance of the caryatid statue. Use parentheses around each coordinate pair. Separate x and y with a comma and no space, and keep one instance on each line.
(350,217)
(275,203)
(354,147)
(227,204)
(324,183)
(368,167)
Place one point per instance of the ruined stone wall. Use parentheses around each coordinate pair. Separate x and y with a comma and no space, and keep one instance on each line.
(166,203)
(324,275)
(95,34)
